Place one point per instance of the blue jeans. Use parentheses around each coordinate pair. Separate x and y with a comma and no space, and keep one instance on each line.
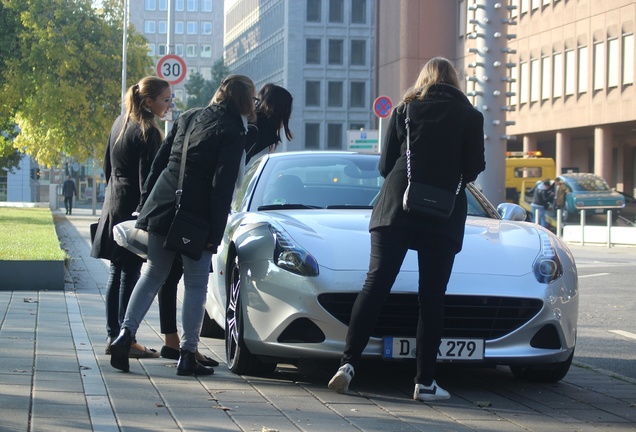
(541,209)
(154,274)
(121,281)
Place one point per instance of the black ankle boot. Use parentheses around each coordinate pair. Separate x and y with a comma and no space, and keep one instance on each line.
(119,350)
(188,365)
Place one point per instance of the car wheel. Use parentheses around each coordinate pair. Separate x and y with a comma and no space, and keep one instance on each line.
(552,372)
(239,358)
(211,328)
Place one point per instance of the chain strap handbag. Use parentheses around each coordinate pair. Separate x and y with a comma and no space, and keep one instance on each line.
(420,198)
(188,232)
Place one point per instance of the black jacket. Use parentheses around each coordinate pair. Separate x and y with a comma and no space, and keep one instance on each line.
(447,140)
(126,167)
(216,146)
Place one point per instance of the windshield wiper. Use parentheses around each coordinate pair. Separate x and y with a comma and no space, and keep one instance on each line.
(287,207)
(350,206)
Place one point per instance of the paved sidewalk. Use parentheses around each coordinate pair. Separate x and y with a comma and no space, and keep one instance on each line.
(54,375)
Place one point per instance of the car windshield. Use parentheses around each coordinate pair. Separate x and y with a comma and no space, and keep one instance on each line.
(588,182)
(323,180)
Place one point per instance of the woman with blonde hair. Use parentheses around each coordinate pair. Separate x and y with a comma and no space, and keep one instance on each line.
(132,145)
(447,152)
(214,154)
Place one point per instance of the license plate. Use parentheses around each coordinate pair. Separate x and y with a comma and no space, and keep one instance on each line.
(599,211)
(449,349)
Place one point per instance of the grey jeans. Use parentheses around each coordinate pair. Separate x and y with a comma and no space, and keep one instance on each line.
(153,275)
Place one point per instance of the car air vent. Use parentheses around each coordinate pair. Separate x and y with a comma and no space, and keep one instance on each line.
(487,317)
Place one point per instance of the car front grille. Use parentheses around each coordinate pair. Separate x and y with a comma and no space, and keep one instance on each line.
(487,317)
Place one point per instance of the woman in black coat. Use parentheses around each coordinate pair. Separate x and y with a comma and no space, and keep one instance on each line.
(132,145)
(447,144)
(214,155)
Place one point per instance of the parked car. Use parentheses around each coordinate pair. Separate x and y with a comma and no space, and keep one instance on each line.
(592,193)
(296,252)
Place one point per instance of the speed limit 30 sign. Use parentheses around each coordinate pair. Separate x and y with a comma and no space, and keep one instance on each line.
(172,68)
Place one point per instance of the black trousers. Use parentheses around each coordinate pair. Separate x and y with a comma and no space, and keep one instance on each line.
(436,255)
(167,297)
(68,203)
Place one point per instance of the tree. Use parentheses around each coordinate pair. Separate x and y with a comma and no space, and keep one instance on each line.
(62,82)
(200,91)
(9,156)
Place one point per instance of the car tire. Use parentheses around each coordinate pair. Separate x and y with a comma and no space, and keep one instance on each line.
(239,358)
(551,372)
(211,329)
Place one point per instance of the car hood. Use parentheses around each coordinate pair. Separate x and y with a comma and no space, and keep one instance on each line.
(598,197)
(339,240)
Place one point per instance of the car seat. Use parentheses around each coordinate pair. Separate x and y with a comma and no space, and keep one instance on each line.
(286,189)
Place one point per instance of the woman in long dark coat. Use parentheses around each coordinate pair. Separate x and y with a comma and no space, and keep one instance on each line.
(132,145)
(447,150)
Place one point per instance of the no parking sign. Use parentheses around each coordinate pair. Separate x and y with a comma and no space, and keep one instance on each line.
(172,68)
(382,106)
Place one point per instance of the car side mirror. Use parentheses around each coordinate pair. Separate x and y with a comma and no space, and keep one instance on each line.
(512,212)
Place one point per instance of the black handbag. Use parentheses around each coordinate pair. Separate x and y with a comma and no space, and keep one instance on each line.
(423,199)
(188,232)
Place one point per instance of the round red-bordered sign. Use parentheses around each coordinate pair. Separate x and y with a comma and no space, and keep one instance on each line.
(172,68)
(382,106)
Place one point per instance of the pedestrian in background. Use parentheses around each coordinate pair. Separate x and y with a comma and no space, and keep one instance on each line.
(132,145)
(559,194)
(540,202)
(215,153)
(273,111)
(447,144)
(69,190)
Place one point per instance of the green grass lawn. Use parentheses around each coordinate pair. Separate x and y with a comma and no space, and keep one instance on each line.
(28,234)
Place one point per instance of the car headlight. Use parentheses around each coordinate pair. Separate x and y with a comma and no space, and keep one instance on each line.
(547,267)
(291,257)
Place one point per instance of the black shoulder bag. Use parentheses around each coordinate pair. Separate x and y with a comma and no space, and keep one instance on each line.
(420,198)
(188,233)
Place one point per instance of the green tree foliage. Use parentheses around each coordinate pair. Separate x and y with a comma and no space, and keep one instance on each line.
(200,91)
(61,80)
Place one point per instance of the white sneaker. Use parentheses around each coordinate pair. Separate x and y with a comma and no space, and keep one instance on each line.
(340,381)
(430,393)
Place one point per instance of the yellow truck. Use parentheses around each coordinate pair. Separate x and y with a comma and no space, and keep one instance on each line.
(526,168)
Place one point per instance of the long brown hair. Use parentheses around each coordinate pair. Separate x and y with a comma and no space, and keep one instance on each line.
(437,70)
(237,91)
(147,88)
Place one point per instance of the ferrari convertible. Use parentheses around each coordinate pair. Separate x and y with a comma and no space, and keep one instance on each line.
(296,251)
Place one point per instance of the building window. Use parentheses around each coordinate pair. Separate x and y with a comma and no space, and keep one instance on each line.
(314,10)
(557,75)
(206,5)
(151,5)
(163,27)
(613,63)
(163,5)
(150,26)
(358,11)
(178,49)
(514,86)
(525,6)
(312,135)
(536,4)
(178,5)
(178,27)
(335,51)
(534,80)
(206,51)
(570,73)
(599,66)
(357,126)
(545,78)
(628,59)
(514,11)
(162,49)
(206,72)
(357,94)
(524,80)
(583,61)
(313,51)
(336,11)
(206,27)
(358,52)
(191,27)
(334,94)
(191,50)
(334,136)
(152,50)
(312,93)
(192,5)
(178,95)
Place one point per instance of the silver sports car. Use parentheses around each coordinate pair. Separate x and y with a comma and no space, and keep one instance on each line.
(296,252)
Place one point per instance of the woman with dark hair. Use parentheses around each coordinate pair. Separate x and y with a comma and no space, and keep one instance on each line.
(214,155)
(446,151)
(132,145)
